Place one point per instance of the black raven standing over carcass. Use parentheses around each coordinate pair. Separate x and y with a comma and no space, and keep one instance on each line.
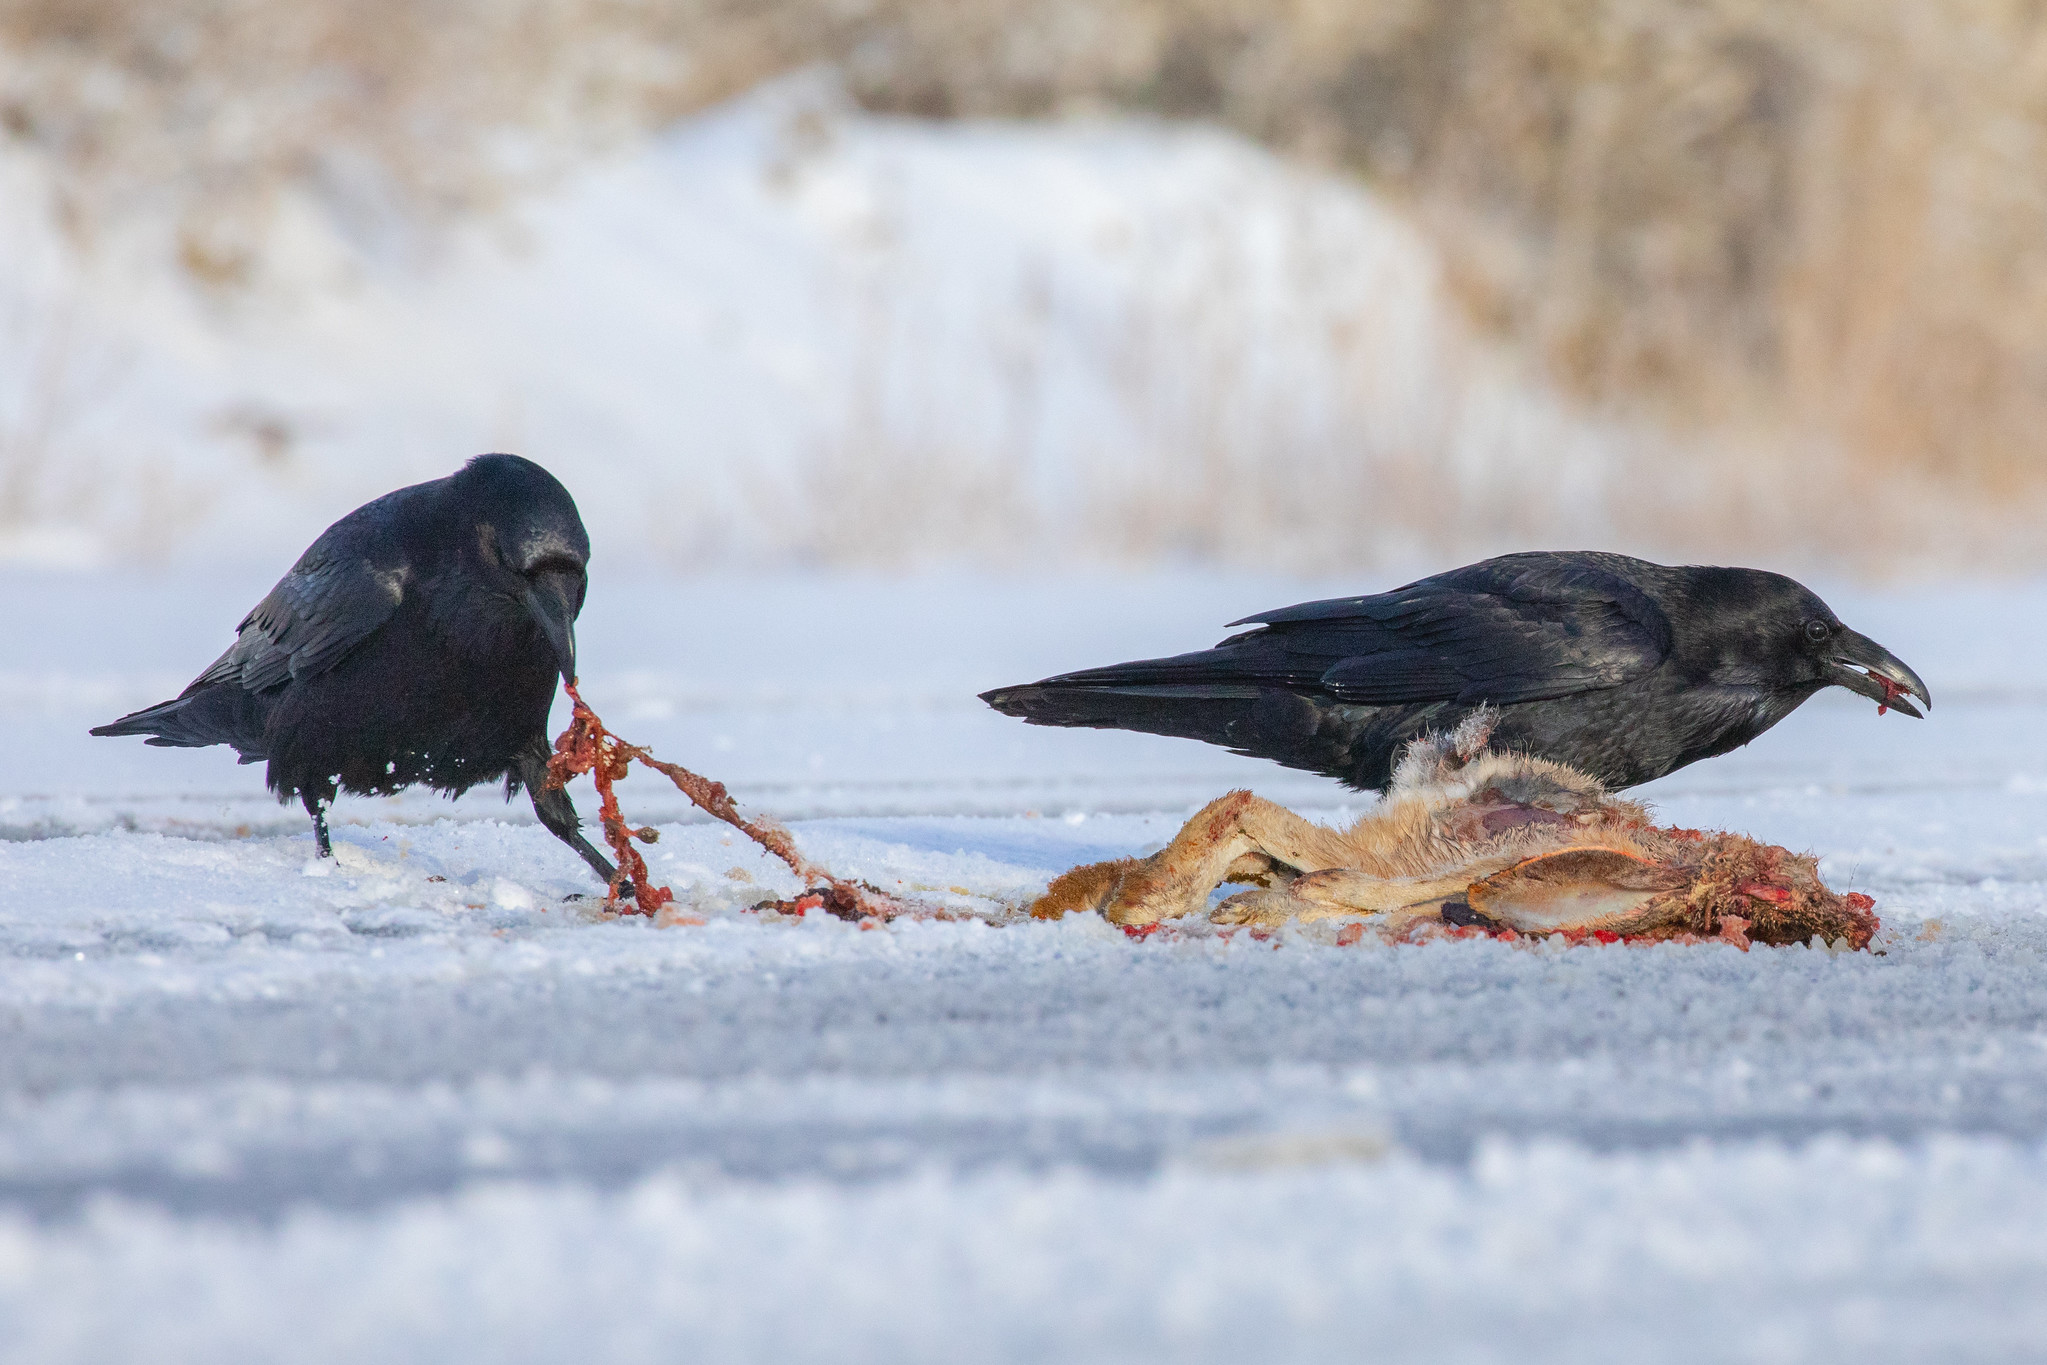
(1622,669)
(417,640)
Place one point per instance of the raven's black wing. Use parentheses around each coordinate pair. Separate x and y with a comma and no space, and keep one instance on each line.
(343,588)
(341,591)
(1517,628)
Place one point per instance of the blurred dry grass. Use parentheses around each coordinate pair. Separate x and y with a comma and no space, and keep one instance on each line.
(1822,215)
(1820,225)
(211,107)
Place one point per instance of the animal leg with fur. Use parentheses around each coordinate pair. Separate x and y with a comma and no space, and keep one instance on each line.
(1237,837)
(1335,892)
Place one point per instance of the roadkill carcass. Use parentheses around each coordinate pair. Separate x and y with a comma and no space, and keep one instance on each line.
(1468,842)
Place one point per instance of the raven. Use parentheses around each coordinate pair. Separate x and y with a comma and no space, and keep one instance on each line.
(1622,669)
(417,640)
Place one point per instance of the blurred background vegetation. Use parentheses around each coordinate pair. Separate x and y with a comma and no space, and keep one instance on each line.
(1821,224)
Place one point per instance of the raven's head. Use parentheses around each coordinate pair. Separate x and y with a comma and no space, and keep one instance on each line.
(1762,629)
(532,545)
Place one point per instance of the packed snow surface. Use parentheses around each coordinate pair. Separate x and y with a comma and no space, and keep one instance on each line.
(417,1104)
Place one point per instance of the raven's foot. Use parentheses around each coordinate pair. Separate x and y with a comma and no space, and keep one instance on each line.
(597,862)
(558,816)
(316,806)
(625,892)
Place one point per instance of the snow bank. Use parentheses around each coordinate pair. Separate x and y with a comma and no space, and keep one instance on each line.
(786,328)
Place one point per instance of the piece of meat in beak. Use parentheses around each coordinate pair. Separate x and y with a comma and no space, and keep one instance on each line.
(1860,664)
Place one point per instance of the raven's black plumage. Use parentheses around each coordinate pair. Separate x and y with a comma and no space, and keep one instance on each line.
(1618,667)
(417,640)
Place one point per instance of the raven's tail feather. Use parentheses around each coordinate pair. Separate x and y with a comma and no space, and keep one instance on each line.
(1354,744)
(1210,695)
(209,715)
(165,724)
(1191,712)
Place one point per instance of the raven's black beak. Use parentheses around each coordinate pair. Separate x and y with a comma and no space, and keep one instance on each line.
(553,599)
(1860,664)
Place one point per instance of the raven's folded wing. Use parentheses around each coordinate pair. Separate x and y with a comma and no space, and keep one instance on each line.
(342,589)
(1518,628)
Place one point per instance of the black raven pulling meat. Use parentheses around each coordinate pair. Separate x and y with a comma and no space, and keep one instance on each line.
(1623,669)
(418,640)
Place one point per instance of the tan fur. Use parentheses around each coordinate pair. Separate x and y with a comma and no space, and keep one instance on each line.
(1466,836)
(1087,887)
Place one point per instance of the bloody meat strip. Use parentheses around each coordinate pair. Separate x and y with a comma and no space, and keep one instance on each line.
(588,747)
(1891,692)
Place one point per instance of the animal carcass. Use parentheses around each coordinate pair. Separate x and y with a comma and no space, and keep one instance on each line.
(1478,841)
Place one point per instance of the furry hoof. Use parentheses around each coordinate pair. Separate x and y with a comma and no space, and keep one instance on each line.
(1266,908)
(1087,887)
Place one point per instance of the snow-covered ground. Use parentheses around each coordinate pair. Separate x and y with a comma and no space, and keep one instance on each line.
(417,1106)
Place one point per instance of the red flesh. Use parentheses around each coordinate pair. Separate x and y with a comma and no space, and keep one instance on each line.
(587,747)
(1891,692)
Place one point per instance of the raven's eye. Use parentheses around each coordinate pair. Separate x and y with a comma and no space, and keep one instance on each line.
(1817,631)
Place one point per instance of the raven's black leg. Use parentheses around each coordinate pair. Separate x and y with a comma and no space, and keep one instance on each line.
(316,799)
(558,813)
